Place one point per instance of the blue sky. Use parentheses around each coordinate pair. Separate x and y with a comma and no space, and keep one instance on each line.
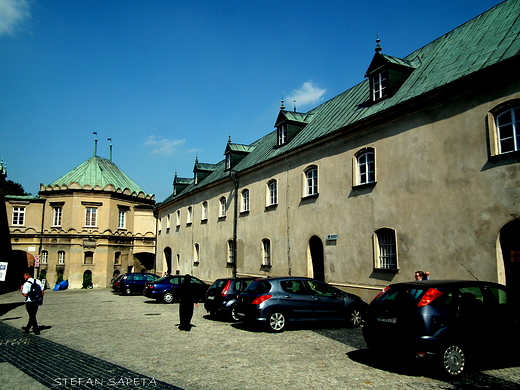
(169,80)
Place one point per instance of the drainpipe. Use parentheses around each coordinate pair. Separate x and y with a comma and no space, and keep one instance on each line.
(233,176)
(41,239)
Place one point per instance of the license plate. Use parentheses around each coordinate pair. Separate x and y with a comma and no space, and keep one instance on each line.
(389,320)
(210,298)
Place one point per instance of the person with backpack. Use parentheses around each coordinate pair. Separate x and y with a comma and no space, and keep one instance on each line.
(32,290)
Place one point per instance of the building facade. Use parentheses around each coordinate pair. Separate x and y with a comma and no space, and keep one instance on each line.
(90,224)
(415,168)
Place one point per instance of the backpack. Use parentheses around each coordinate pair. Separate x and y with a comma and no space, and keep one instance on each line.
(35,294)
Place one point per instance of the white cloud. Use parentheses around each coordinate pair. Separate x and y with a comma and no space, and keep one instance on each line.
(309,93)
(12,13)
(163,145)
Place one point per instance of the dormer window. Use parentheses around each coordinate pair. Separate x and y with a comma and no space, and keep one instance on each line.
(387,74)
(379,83)
(228,161)
(282,134)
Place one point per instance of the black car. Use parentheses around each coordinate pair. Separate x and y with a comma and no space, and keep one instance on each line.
(134,282)
(166,289)
(114,283)
(279,300)
(221,296)
(447,321)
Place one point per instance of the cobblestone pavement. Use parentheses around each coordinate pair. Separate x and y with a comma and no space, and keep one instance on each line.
(95,339)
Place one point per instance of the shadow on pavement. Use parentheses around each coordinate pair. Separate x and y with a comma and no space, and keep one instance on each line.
(7,307)
(403,365)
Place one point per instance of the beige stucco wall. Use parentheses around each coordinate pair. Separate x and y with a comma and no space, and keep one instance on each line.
(436,186)
(73,237)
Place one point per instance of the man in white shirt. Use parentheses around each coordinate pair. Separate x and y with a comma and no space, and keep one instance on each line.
(31,305)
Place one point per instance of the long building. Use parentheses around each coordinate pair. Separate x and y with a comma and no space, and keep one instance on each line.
(414,168)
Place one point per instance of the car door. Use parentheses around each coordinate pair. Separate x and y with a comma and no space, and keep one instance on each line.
(328,302)
(296,299)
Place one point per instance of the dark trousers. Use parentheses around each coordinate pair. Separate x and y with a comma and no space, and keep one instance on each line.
(32,309)
(185,314)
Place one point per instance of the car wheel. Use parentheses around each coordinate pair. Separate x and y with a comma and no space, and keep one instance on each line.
(276,321)
(453,360)
(234,316)
(355,316)
(127,291)
(168,298)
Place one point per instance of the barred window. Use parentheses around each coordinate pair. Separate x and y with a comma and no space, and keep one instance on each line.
(386,249)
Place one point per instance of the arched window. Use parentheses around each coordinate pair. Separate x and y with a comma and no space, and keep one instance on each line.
(189,219)
(266,252)
(178,218)
(231,251)
(385,256)
(204,211)
(245,201)
(223,207)
(311,181)
(272,193)
(365,167)
(196,253)
(508,130)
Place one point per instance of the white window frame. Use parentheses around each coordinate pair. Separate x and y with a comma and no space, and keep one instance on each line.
(61,257)
(231,251)
(266,252)
(385,245)
(178,218)
(44,258)
(91,216)
(311,181)
(189,217)
(365,167)
(56,216)
(121,219)
(379,85)
(204,214)
(18,217)
(513,136)
(282,134)
(272,193)
(223,207)
(245,200)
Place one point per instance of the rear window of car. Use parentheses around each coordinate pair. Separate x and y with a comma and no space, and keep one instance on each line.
(219,283)
(258,286)
(406,295)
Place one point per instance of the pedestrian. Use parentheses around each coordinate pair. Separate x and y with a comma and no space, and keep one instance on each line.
(187,299)
(419,276)
(33,292)
(427,275)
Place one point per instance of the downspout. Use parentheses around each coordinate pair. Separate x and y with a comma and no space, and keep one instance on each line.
(233,176)
(41,239)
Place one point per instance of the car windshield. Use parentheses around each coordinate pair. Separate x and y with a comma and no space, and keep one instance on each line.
(402,295)
(258,286)
(219,283)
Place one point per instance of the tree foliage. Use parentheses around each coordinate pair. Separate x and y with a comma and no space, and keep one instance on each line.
(12,188)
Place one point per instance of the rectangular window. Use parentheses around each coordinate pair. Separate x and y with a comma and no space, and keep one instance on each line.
(366,168)
(282,134)
(91,216)
(204,211)
(18,216)
(387,256)
(379,85)
(89,258)
(121,219)
(44,257)
(56,217)
(61,257)
(266,249)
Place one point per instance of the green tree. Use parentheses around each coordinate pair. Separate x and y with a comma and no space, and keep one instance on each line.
(12,188)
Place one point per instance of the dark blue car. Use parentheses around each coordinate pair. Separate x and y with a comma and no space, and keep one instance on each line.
(166,289)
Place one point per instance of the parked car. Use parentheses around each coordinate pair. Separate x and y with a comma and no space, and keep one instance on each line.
(443,320)
(114,283)
(277,301)
(134,282)
(166,289)
(222,295)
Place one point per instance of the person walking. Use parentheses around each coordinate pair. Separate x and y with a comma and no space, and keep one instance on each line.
(186,304)
(32,290)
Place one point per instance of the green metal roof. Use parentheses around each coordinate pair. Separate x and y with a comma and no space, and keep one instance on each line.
(486,40)
(97,172)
